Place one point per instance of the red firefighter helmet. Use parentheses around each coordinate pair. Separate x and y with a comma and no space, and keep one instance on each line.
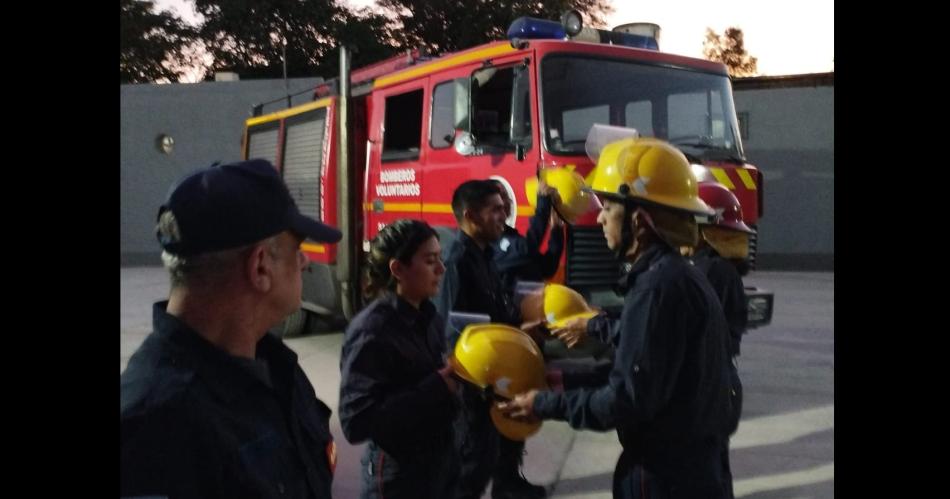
(728,210)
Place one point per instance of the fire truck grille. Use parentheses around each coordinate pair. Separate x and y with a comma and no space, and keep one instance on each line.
(590,263)
(753,246)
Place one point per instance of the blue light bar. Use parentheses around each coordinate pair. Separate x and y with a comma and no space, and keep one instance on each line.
(636,41)
(534,28)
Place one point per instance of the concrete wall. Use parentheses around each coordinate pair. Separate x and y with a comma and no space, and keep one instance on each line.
(206,122)
(791,140)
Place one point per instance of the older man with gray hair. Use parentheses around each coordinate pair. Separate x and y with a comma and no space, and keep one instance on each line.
(212,405)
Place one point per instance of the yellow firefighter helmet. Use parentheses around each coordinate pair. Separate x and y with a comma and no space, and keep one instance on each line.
(505,359)
(562,304)
(647,170)
(575,200)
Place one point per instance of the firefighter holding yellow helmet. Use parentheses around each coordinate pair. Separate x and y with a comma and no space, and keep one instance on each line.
(667,394)
(519,258)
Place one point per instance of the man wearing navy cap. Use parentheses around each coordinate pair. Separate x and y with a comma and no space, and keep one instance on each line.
(212,405)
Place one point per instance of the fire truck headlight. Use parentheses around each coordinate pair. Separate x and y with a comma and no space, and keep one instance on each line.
(701,172)
(758,309)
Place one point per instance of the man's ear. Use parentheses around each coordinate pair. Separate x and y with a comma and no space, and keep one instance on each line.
(468,218)
(259,269)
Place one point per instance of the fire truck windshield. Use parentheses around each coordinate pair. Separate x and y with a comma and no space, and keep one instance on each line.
(689,108)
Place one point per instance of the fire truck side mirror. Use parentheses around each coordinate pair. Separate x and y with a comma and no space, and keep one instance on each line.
(464,143)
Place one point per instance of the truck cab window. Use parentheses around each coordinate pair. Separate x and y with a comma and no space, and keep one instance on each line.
(697,117)
(576,121)
(402,134)
(501,114)
(693,109)
(450,101)
(639,115)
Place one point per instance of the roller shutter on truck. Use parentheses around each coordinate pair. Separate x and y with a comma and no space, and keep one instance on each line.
(262,142)
(303,155)
(303,160)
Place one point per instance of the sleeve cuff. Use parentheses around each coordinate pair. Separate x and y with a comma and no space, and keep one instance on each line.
(545,404)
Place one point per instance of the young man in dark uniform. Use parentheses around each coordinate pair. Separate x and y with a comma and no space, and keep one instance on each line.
(472,284)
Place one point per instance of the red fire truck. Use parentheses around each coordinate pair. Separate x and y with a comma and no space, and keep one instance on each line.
(394,139)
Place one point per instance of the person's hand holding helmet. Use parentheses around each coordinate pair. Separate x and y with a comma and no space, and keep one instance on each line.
(572,332)
(546,190)
(520,408)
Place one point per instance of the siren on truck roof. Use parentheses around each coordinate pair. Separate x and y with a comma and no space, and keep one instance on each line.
(637,35)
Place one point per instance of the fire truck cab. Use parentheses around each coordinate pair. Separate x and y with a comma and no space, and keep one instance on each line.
(394,139)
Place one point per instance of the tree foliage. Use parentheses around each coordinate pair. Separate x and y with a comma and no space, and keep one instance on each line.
(255,37)
(442,26)
(729,49)
(152,44)
(250,36)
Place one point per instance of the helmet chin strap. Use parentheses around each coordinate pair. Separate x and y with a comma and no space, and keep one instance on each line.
(626,235)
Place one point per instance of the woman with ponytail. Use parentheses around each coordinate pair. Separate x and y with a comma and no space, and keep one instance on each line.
(396,390)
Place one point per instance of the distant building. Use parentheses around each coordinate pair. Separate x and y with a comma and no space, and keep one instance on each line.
(170,129)
(787,125)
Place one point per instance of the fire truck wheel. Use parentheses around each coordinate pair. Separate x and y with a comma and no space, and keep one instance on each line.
(294,324)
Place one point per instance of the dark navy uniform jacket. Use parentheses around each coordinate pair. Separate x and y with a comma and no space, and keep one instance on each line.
(390,392)
(518,258)
(198,422)
(726,282)
(472,283)
(667,393)
(391,395)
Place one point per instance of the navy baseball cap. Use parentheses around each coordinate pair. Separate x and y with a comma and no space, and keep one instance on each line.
(233,205)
